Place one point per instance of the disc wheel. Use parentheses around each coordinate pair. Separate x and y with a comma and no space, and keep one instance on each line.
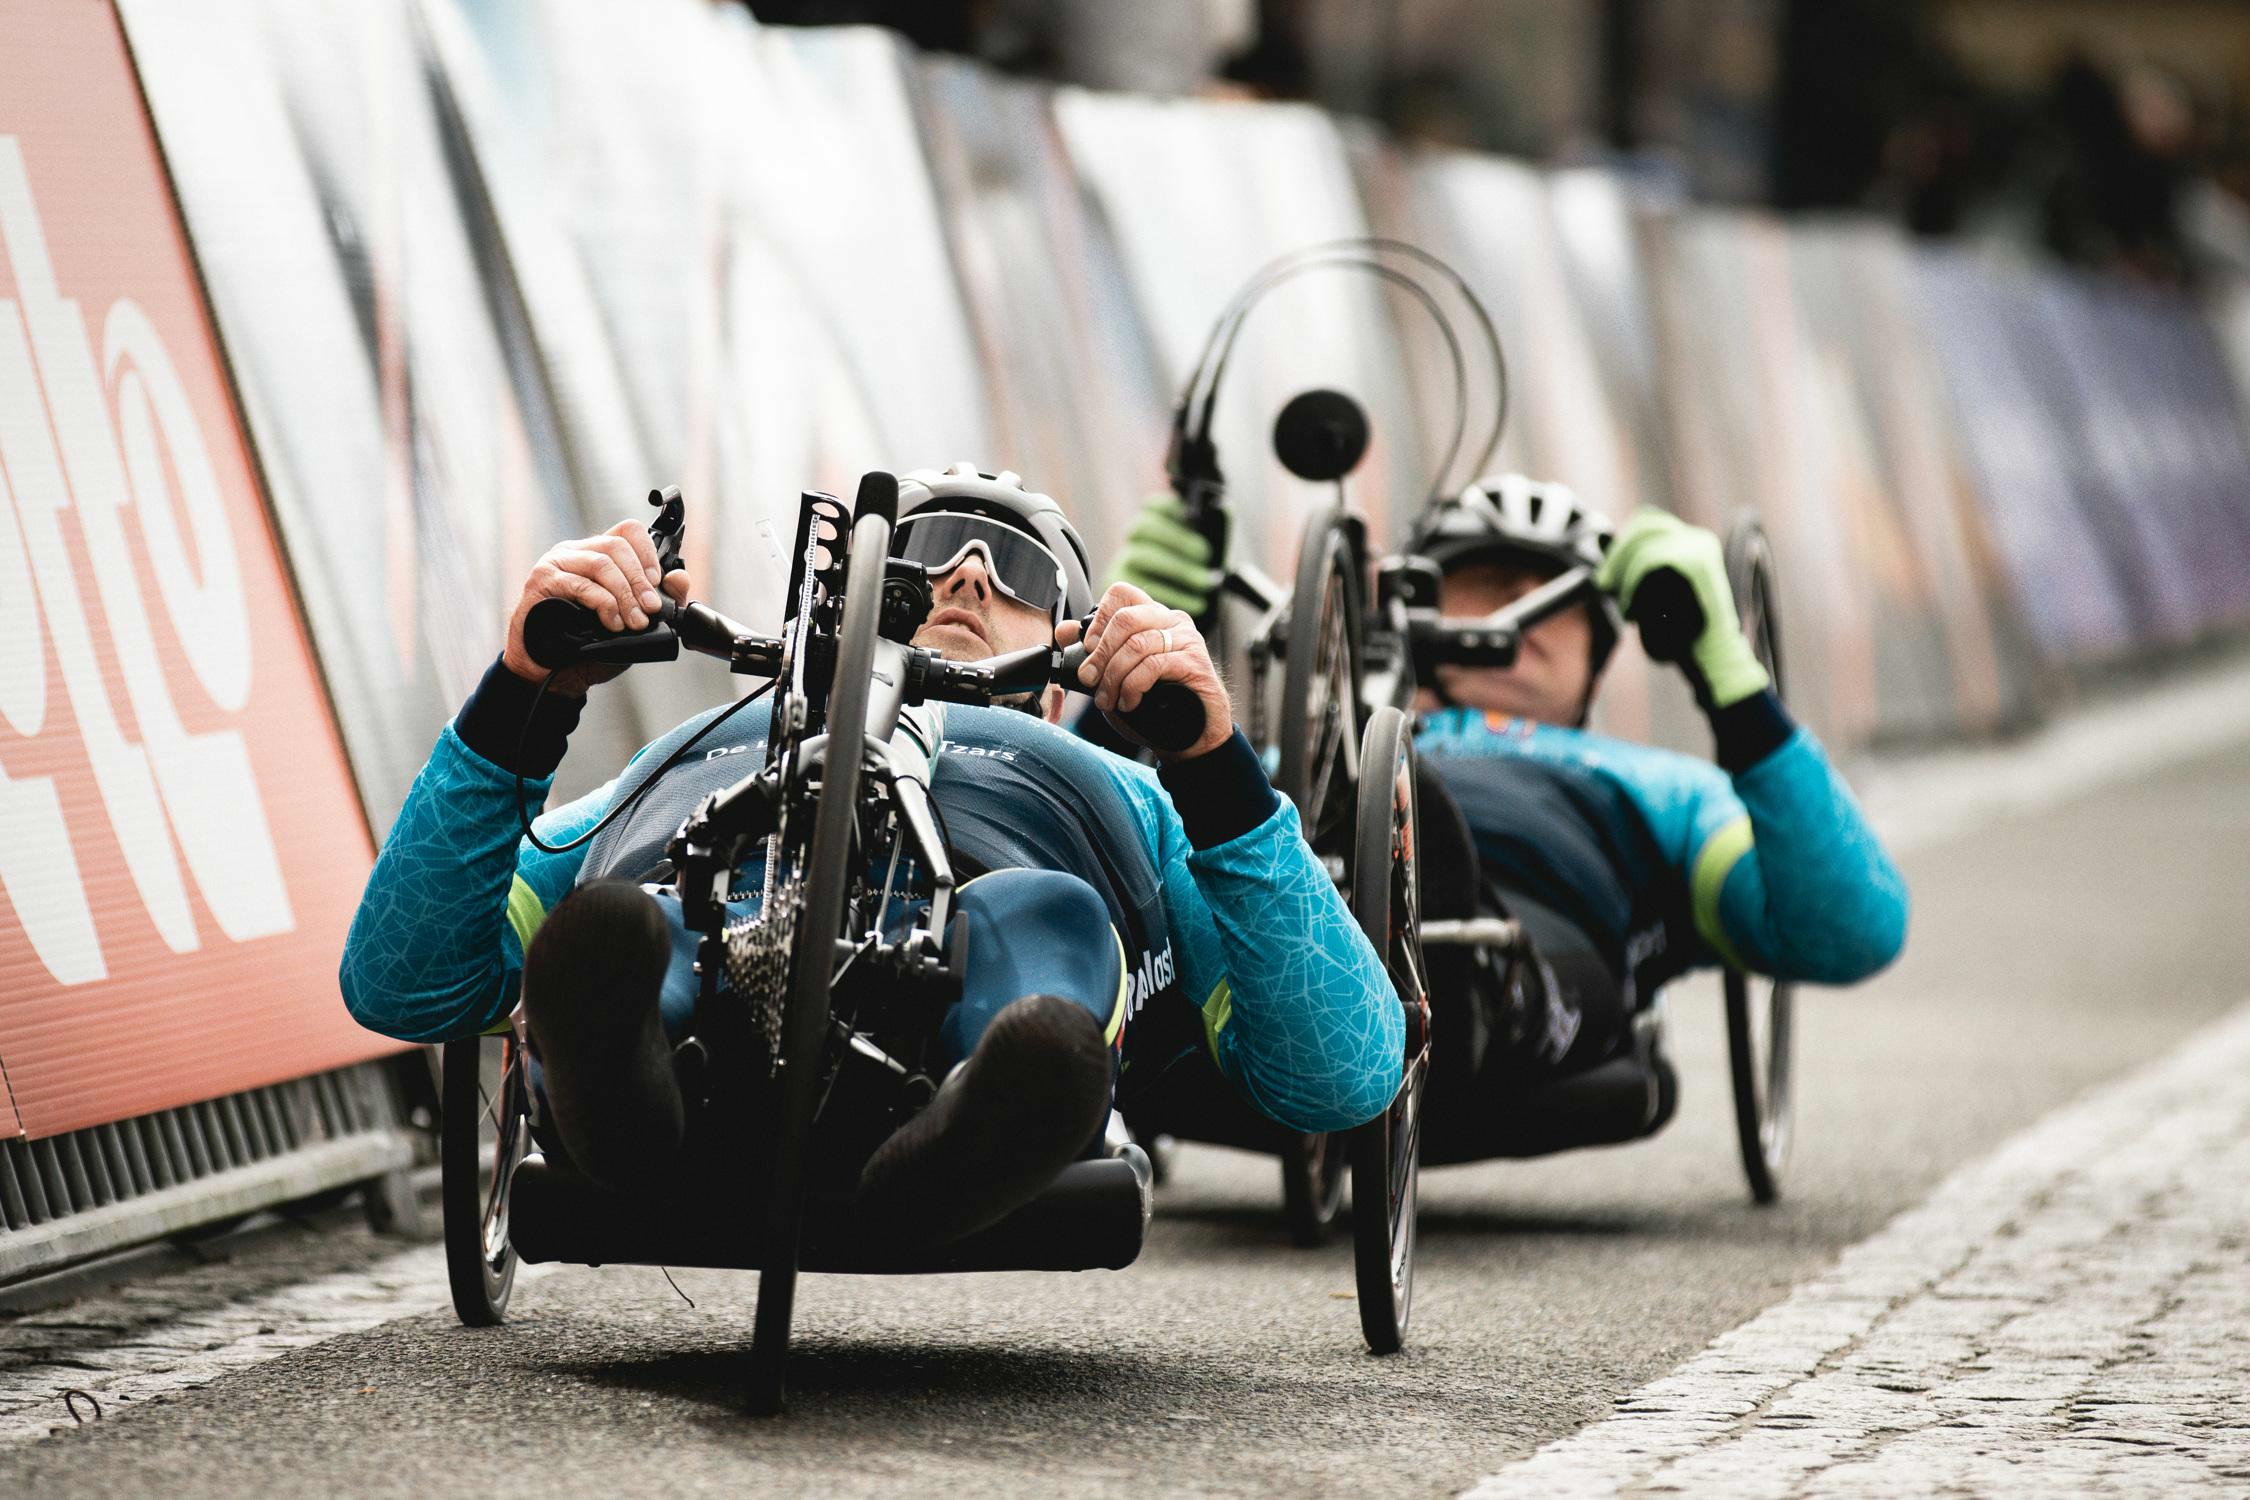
(1319,774)
(1759,1010)
(483,1132)
(805,1025)
(1386,1152)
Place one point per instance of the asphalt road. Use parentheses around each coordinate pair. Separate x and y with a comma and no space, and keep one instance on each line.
(2046,954)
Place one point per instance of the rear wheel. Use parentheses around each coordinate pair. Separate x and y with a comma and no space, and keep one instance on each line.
(1320,685)
(1386,1152)
(1759,1010)
(483,1133)
(805,1026)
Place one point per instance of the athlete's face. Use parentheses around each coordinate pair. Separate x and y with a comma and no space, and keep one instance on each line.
(1553,671)
(970,620)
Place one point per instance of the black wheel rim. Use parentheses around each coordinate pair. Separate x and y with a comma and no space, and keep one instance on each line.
(1319,741)
(827,881)
(1387,1151)
(1314,1170)
(485,1135)
(1760,1011)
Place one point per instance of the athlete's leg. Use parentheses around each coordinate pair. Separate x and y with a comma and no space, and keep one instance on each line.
(592,979)
(1033,1044)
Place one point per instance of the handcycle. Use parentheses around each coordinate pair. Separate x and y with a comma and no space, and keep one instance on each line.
(821,1039)
(1333,753)
(1369,658)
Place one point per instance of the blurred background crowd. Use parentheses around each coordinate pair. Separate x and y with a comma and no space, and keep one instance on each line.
(2115,136)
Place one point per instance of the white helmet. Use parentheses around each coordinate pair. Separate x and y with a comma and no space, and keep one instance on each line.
(1004,497)
(1513,517)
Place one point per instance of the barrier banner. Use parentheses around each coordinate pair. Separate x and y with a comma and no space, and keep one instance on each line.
(1758,423)
(1937,646)
(1986,340)
(386,365)
(1079,407)
(1241,184)
(750,213)
(2156,427)
(180,844)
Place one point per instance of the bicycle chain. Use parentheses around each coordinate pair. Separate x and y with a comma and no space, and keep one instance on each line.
(757,968)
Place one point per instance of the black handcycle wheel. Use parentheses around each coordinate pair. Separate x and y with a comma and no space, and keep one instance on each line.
(1319,774)
(484,1105)
(1314,1169)
(805,1025)
(1320,682)
(1386,1152)
(1759,1010)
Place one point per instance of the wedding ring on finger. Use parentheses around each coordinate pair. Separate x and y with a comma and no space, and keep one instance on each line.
(1167,640)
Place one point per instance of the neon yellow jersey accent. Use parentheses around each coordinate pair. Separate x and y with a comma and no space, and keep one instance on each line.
(1124,989)
(1217,1011)
(525,912)
(1714,862)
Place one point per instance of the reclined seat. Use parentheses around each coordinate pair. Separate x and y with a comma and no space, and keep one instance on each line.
(1094,1216)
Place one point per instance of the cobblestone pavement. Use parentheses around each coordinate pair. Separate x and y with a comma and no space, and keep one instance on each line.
(150,1339)
(2070,1315)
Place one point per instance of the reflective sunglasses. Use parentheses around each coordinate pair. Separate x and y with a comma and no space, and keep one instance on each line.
(1019,566)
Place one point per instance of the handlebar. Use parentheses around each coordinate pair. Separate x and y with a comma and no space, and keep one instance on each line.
(1497,638)
(558,633)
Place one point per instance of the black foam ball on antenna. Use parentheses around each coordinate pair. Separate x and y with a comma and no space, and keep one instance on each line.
(1320,435)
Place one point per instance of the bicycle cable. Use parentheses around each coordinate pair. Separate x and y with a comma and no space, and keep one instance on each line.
(523,814)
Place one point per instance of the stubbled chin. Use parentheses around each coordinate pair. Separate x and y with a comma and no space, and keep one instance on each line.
(953,642)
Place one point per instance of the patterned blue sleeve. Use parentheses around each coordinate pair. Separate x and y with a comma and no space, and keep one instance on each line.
(1783,875)
(1297,1006)
(437,944)
(1802,887)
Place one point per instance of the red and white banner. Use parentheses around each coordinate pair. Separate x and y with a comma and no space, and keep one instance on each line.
(180,843)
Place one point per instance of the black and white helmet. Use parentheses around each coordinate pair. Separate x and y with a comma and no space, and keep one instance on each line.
(1003,497)
(1515,518)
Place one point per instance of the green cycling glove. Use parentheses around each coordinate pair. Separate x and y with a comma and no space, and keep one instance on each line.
(1168,559)
(1721,662)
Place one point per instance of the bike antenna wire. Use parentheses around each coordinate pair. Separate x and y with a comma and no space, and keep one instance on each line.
(1362,253)
(523,814)
(1360,250)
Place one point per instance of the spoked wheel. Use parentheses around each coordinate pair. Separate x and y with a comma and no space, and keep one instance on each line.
(1320,685)
(1759,1010)
(1387,1151)
(483,1132)
(1319,773)
(1313,1171)
(828,873)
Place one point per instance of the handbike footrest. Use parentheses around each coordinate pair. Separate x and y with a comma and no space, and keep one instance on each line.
(1622,1100)
(1094,1216)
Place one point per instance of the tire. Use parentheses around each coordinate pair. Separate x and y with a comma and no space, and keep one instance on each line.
(1320,684)
(1314,1169)
(1760,1012)
(1386,1152)
(483,1101)
(805,1026)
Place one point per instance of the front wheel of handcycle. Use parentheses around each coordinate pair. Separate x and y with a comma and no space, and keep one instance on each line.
(483,1132)
(827,876)
(1759,1010)
(1386,1152)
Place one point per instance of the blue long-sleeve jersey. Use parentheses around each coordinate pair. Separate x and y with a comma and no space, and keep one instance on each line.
(1668,861)
(1237,944)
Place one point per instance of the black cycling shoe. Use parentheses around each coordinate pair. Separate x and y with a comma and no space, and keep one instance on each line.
(591,981)
(1002,1125)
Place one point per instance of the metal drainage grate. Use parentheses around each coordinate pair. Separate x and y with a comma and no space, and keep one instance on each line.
(68,1196)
